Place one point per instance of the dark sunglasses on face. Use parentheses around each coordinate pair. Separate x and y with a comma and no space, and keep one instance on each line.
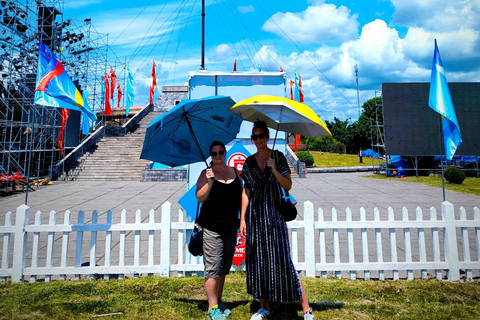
(220,153)
(258,136)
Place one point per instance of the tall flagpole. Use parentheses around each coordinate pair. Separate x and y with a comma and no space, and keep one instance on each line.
(202,65)
(443,154)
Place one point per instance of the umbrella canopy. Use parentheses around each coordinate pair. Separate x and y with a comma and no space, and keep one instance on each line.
(282,114)
(183,134)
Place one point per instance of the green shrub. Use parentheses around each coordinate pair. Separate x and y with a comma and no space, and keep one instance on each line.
(305,156)
(326,144)
(454,175)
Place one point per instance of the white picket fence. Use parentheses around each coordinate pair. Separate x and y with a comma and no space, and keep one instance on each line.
(363,250)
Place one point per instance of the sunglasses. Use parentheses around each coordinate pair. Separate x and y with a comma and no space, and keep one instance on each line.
(258,136)
(220,153)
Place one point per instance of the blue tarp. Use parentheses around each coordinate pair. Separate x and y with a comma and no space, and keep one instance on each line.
(369,153)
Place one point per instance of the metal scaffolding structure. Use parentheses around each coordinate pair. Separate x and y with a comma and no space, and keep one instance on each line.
(29,132)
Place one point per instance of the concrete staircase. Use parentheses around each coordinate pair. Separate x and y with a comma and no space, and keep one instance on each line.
(114,158)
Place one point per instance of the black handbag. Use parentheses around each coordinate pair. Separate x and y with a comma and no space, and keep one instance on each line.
(286,208)
(195,246)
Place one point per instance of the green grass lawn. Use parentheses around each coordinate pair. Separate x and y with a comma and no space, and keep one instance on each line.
(329,160)
(184,298)
(469,185)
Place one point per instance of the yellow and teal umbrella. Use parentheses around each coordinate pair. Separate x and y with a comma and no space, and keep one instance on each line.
(282,114)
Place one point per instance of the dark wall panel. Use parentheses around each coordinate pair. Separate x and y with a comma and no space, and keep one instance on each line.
(412,128)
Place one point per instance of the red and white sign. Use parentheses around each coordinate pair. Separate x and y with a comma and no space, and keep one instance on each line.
(239,255)
(237,160)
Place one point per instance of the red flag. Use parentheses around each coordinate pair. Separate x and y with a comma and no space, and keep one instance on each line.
(65,113)
(154,77)
(151,95)
(297,140)
(300,87)
(235,65)
(119,94)
(281,69)
(113,82)
(292,83)
(108,109)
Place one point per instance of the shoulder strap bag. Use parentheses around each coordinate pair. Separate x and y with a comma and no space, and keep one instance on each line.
(286,208)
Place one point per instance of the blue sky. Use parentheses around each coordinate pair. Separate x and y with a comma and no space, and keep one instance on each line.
(389,41)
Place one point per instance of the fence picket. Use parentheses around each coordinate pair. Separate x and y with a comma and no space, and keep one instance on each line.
(351,249)
(336,244)
(50,243)
(450,241)
(166,227)
(93,243)
(309,238)
(65,240)
(35,245)
(378,240)
(121,247)
(393,243)
(465,243)
(408,243)
(363,217)
(421,242)
(435,243)
(151,238)
(322,244)
(79,244)
(476,217)
(108,244)
(6,244)
(181,240)
(136,250)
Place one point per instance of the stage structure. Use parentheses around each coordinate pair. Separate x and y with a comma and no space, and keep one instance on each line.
(412,128)
(29,131)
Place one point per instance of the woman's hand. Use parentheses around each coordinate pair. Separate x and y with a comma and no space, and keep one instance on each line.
(210,174)
(243,228)
(271,163)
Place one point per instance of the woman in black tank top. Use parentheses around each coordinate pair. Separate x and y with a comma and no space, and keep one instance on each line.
(220,190)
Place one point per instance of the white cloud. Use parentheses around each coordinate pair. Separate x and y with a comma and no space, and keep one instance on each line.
(223,52)
(437,15)
(317,24)
(246,9)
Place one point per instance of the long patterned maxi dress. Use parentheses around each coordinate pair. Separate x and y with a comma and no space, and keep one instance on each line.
(270,271)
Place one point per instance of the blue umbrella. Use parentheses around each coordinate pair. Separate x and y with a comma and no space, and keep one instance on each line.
(183,134)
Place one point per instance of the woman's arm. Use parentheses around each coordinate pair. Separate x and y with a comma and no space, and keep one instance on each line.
(243,210)
(204,184)
(285,181)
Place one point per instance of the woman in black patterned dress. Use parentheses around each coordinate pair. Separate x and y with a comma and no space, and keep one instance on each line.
(271,275)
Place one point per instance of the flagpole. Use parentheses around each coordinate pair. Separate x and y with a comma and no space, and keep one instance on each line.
(442,149)
(30,143)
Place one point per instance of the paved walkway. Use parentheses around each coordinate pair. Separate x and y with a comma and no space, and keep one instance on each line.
(328,190)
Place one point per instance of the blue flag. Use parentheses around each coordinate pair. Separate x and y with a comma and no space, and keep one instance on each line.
(129,91)
(296,94)
(54,87)
(85,120)
(441,101)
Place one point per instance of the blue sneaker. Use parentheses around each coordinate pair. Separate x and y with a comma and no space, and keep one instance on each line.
(215,314)
(223,307)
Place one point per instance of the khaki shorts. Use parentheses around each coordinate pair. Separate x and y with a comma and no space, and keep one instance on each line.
(218,253)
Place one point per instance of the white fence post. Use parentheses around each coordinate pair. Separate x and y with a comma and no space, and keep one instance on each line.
(450,242)
(309,238)
(6,243)
(166,224)
(20,243)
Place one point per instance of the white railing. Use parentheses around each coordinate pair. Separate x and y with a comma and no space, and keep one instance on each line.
(51,244)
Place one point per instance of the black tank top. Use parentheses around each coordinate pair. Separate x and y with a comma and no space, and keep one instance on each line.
(220,211)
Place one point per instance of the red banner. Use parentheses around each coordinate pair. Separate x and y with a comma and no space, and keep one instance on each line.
(119,94)
(239,255)
(65,113)
(235,65)
(108,109)
(113,81)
